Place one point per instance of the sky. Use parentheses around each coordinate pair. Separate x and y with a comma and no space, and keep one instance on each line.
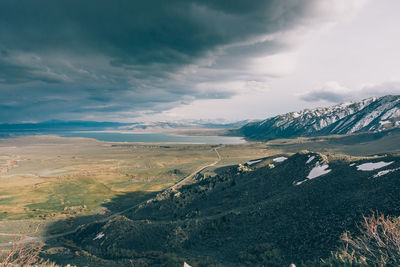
(156,60)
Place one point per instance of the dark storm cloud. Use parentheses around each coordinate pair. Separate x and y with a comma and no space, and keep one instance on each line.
(13,71)
(98,56)
(140,32)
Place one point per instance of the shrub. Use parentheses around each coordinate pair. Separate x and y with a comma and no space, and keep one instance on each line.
(22,254)
(378,244)
(379,240)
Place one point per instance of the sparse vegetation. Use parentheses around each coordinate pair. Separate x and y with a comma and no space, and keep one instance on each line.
(23,254)
(378,243)
(84,174)
(375,243)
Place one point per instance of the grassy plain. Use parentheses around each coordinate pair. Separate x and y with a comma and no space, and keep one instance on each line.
(51,176)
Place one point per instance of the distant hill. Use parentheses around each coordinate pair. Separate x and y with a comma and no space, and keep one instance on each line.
(369,115)
(58,126)
(267,212)
(173,126)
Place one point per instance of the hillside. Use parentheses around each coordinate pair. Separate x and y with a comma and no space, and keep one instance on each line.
(369,115)
(271,211)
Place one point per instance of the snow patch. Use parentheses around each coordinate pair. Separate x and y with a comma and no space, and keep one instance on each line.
(99,236)
(296,114)
(310,159)
(318,170)
(370,166)
(251,162)
(381,173)
(280,159)
(352,164)
(299,183)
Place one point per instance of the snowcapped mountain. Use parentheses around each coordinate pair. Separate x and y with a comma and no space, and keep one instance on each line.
(173,126)
(369,115)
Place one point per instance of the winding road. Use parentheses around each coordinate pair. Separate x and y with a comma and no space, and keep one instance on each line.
(29,239)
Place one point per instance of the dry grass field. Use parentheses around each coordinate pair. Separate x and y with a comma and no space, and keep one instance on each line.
(50,176)
(47,176)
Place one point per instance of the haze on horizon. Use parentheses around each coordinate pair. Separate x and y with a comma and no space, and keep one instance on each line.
(189,59)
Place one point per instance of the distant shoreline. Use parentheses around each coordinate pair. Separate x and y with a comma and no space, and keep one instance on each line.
(134,137)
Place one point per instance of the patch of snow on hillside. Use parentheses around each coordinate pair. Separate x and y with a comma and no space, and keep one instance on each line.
(370,166)
(318,170)
(381,173)
(310,159)
(352,164)
(280,159)
(299,183)
(99,236)
(251,162)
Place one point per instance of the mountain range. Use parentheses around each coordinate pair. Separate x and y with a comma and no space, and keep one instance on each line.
(369,115)
(59,126)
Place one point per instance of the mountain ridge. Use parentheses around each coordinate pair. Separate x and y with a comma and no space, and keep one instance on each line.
(269,213)
(369,115)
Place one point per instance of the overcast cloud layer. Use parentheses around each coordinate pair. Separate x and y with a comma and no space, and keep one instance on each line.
(113,60)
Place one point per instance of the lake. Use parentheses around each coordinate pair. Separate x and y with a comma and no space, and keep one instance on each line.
(135,137)
(154,138)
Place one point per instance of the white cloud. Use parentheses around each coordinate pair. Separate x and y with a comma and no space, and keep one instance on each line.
(334,92)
